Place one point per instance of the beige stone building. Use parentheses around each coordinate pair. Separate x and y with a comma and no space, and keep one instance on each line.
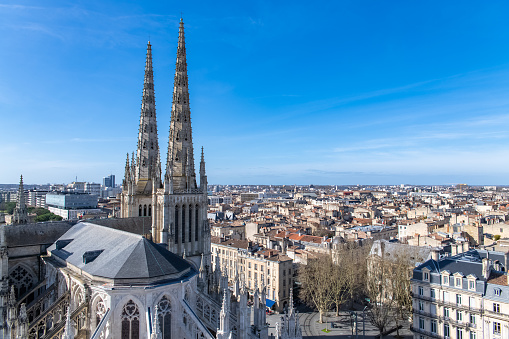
(259,267)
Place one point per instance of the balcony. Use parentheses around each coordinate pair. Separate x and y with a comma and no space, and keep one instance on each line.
(448,303)
(426,333)
(497,315)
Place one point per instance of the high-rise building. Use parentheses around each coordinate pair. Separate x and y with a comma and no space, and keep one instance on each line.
(109,181)
(176,204)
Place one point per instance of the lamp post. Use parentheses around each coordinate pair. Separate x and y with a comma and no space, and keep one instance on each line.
(364,322)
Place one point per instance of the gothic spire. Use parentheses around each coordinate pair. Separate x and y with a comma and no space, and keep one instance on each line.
(20,215)
(180,144)
(203,175)
(68,330)
(148,166)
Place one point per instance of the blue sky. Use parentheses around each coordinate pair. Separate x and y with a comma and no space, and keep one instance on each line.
(297,92)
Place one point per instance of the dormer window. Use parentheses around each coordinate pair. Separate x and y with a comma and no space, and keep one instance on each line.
(458,282)
(471,285)
(445,279)
(498,292)
(425,274)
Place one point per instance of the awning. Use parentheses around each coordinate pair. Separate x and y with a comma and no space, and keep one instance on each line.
(269,303)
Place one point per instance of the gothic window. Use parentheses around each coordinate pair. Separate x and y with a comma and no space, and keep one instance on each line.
(143,164)
(145,128)
(199,305)
(176,224)
(144,210)
(187,294)
(196,223)
(144,145)
(183,223)
(130,321)
(152,145)
(100,310)
(139,214)
(185,135)
(214,317)
(190,221)
(151,130)
(178,136)
(149,210)
(207,312)
(165,317)
(21,279)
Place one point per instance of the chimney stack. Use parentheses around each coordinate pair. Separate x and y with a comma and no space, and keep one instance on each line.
(435,254)
(486,268)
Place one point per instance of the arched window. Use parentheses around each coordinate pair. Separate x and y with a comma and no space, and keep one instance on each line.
(130,321)
(139,214)
(176,224)
(197,228)
(100,310)
(21,279)
(165,317)
(144,210)
(149,210)
(183,224)
(190,221)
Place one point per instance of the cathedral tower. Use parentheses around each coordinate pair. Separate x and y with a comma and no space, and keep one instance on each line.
(177,205)
(143,175)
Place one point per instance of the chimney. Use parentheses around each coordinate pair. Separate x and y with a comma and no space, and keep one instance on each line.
(506,261)
(465,246)
(486,268)
(435,254)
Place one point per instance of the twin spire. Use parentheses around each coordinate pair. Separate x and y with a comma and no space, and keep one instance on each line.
(145,169)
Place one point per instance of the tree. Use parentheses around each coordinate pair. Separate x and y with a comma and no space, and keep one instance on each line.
(8,207)
(379,290)
(316,281)
(401,273)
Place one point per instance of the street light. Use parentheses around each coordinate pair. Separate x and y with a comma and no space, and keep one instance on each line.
(364,322)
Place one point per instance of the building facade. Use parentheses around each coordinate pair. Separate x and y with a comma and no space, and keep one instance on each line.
(462,296)
(260,268)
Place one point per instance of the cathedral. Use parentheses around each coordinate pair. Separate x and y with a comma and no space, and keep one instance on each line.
(109,278)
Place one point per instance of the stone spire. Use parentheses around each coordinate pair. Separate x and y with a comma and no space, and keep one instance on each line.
(203,175)
(180,158)
(148,166)
(22,328)
(224,317)
(156,329)
(68,330)
(20,215)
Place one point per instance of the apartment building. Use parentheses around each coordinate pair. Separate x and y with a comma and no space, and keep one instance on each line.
(465,296)
(260,268)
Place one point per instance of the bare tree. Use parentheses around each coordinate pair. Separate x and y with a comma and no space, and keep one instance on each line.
(401,274)
(316,280)
(380,292)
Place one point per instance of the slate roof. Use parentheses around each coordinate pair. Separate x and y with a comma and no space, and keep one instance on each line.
(41,233)
(124,256)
